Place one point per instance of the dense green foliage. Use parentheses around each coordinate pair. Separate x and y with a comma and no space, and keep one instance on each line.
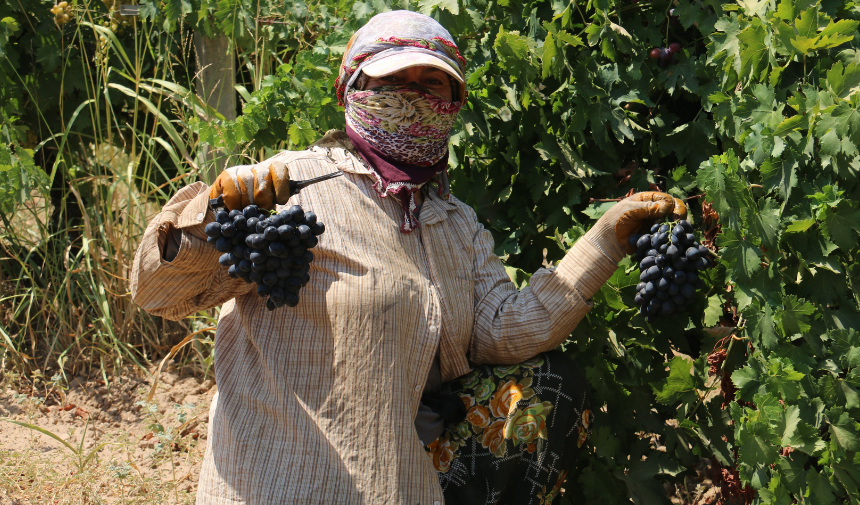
(758,117)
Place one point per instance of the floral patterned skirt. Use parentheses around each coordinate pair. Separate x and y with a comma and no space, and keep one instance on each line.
(524,429)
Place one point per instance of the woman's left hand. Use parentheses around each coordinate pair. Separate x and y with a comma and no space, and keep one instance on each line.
(629,216)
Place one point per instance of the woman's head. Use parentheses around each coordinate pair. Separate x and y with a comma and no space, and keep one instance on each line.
(395,42)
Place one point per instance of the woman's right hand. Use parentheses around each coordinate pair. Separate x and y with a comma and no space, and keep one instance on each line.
(244,185)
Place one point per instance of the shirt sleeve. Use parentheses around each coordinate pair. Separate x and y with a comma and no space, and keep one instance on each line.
(193,280)
(513,325)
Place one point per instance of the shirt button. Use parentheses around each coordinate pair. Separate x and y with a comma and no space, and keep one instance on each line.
(432,328)
(436,502)
(200,216)
(417,387)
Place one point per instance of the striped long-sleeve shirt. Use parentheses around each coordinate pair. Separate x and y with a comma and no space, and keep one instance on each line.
(316,403)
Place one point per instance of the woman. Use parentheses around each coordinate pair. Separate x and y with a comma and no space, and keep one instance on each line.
(322,403)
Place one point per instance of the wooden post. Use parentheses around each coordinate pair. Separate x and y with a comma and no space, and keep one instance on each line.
(216,79)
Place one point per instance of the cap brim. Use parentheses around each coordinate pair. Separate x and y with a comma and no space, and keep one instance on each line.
(399,61)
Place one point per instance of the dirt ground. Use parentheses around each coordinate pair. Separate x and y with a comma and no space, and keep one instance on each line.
(123,450)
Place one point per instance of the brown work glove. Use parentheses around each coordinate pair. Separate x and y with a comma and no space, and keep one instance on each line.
(261,185)
(629,216)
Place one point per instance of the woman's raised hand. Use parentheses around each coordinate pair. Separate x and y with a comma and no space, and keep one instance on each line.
(612,231)
(243,185)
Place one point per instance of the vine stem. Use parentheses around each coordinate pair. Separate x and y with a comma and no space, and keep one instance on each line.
(693,197)
(601,200)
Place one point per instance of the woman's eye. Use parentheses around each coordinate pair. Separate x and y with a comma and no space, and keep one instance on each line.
(434,82)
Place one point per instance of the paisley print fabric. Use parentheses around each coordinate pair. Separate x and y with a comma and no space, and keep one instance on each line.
(524,429)
(409,124)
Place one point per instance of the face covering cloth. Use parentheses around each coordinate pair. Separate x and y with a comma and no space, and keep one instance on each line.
(401,131)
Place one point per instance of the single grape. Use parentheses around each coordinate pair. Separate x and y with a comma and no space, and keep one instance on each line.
(675,47)
(664,248)
(223,245)
(663,284)
(663,228)
(248,251)
(294,284)
(276,221)
(310,218)
(297,251)
(680,263)
(308,256)
(262,225)
(294,241)
(653,273)
(277,295)
(291,299)
(655,241)
(285,231)
(270,305)
(679,300)
(233,213)
(655,53)
(228,230)
(264,290)
(224,260)
(251,223)
(674,289)
(667,308)
(305,278)
(271,234)
(668,272)
(272,263)
(240,222)
(643,242)
(304,231)
(235,260)
(233,271)
(310,242)
(256,277)
(299,262)
(213,230)
(251,211)
(633,240)
(245,265)
(222,217)
(297,214)
(654,228)
(680,277)
(687,226)
(212,240)
(687,290)
(270,278)
(661,260)
(654,305)
(692,254)
(258,267)
(318,229)
(652,252)
(638,299)
(258,257)
(677,230)
(650,289)
(277,249)
(672,252)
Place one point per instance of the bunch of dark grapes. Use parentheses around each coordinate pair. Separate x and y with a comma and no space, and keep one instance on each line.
(669,261)
(272,251)
(665,55)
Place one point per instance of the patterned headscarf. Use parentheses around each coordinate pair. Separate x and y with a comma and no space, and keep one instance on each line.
(400,167)
(395,32)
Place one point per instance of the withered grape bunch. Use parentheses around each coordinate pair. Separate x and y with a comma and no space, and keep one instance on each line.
(271,250)
(670,259)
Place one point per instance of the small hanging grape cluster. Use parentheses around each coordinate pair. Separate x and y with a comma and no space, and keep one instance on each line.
(270,250)
(669,261)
